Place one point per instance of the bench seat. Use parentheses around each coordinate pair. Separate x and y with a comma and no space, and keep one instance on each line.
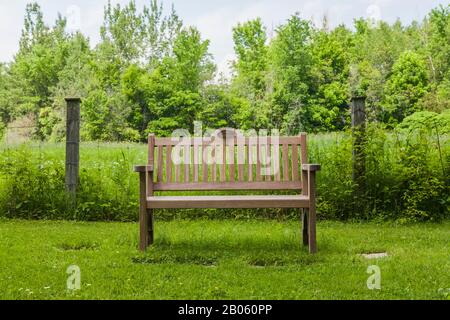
(228,201)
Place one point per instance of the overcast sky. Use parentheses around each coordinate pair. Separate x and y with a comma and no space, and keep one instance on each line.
(214,18)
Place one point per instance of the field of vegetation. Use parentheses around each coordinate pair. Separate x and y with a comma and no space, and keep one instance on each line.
(406,180)
(152,73)
(206,259)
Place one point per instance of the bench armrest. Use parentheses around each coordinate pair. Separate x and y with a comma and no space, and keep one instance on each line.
(147,168)
(311,167)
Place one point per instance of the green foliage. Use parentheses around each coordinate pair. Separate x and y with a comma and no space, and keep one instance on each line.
(426,121)
(407,84)
(406,172)
(329,102)
(151,73)
(290,53)
(251,67)
(439,44)
(250,47)
(410,178)
(406,178)
(222,108)
(33,187)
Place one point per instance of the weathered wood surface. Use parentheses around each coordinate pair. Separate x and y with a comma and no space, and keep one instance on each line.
(224,202)
(228,163)
(72,146)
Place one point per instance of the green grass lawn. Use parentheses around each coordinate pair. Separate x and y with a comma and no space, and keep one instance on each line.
(222,259)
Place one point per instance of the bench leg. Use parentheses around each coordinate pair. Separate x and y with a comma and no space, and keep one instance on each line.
(305,226)
(312,228)
(143,228)
(146,225)
(151,226)
(145,217)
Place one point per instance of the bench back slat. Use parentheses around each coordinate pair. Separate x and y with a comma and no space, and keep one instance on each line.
(236,163)
(285,155)
(304,159)
(241,154)
(250,160)
(169,163)
(295,163)
(159,177)
(151,156)
(187,161)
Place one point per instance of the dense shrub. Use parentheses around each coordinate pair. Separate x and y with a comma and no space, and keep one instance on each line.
(32,184)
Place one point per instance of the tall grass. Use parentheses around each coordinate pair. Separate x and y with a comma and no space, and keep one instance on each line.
(406,178)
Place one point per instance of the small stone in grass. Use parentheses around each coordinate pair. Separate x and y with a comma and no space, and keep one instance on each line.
(378,255)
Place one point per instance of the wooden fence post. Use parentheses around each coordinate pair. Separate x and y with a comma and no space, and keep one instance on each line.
(72,146)
(359,141)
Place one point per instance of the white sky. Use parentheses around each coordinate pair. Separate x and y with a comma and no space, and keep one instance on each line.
(215,18)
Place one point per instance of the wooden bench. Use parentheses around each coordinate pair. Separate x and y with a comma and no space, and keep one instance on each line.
(227,161)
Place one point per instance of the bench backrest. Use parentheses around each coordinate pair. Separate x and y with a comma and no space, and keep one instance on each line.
(228,161)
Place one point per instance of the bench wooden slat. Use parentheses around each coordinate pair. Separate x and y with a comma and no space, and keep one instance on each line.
(262,185)
(231,166)
(151,160)
(241,155)
(250,160)
(276,162)
(285,155)
(190,141)
(214,162)
(268,201)
(295,166)
(196,162)
(258,161)
(205,161)
(304,159)
(169,163)
(160,164)
(178,167)
(187,163)
(222,161)
(268,161)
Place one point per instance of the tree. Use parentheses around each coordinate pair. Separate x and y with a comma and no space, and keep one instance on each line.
(160,32)
(221,107)
(34,28)
(123,29)
(170,96)
(376,48)
(127,66)
(191,65)
(180,81)
(151,74)
(37,68)
(328,110)
(439,42)
(251,51)
(291,72)
(251,66)
(6,111)
(407,84)
(435,46)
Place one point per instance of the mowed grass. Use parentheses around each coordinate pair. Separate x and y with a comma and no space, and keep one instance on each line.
(205,259)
